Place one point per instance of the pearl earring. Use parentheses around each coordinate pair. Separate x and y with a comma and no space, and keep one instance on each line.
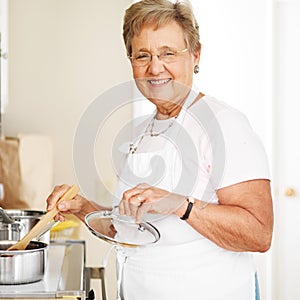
(196,69)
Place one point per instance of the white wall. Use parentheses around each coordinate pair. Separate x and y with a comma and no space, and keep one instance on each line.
(62,55)
(3,44)
(236,55)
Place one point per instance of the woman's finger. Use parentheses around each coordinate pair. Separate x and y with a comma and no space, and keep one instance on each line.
(71,206)
(134,205)
(59,217)
(144,208)
(126,206)
(131,200)
(129,194)
(56,195)
(143,185)
(121,208)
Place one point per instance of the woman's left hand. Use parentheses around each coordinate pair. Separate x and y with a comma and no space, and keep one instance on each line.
(148,199)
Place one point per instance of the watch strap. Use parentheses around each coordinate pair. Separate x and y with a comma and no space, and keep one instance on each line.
(191,201)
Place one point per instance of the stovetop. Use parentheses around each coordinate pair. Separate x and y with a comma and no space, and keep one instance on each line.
(64,275)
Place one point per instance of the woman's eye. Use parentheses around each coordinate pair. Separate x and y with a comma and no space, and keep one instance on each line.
(169,53)
(143,56)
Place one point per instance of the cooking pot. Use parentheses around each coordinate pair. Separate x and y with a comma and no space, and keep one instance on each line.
(22,266)
(25,220)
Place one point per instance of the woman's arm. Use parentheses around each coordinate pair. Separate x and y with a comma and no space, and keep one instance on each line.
(242,221)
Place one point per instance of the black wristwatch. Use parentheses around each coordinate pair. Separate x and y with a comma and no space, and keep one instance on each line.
(191,202)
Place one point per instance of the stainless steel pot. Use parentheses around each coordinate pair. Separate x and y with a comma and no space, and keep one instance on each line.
(25,220)
(22,266)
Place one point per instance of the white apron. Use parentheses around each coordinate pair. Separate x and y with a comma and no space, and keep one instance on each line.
(182,264)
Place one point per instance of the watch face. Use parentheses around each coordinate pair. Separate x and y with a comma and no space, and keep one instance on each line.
(121,230)
(191,199)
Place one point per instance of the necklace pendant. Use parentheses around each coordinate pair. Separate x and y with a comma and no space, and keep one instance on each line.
(132,149)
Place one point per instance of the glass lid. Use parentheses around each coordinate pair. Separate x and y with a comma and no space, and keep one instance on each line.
(121,230)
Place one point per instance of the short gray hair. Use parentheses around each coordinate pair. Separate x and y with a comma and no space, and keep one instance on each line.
(161,12)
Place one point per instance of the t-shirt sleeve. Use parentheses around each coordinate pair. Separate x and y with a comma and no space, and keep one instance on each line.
(237,152)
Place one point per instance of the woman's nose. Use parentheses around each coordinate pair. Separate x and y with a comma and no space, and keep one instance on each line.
(156,66)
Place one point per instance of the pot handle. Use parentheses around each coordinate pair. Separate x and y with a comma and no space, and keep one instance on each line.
(15,226)
(20,226)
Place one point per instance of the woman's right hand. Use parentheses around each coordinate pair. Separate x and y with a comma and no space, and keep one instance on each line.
(79,206)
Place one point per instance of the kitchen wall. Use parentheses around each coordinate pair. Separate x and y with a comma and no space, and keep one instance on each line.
(62,55)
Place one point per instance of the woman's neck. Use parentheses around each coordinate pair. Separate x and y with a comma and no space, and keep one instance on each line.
(169,110)
(164,113)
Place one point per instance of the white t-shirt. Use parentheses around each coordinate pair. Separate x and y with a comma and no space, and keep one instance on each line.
(209,146)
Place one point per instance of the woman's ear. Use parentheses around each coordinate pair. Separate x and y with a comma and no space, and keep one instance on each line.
(196,55)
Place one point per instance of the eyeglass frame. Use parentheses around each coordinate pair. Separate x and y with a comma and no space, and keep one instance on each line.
(158,56)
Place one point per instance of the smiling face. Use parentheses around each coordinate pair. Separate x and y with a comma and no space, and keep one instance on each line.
(166,84)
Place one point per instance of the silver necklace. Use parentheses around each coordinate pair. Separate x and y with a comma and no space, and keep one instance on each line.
(149,131)
(163,131)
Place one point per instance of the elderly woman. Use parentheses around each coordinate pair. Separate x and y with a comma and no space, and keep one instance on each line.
(197,171)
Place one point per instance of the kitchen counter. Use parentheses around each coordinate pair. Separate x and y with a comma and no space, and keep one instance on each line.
(64,276)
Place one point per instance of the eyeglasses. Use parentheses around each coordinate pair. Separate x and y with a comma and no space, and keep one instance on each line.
(142,59)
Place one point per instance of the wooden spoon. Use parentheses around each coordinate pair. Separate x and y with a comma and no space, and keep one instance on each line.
(22,244)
